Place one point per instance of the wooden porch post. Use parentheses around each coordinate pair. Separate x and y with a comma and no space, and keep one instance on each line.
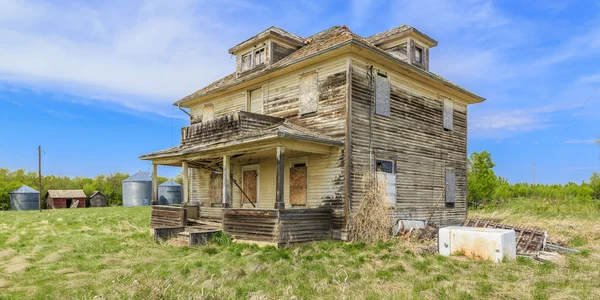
(154,184)
(226,181)
(185,187)
(279,203)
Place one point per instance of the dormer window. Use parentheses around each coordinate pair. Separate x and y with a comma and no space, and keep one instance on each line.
(259,56)
(418,54)
(247,62)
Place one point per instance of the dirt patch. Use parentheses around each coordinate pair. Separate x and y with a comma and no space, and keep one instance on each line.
(4,284)
(6,253)
(13,239)
(85,228)
(178,242)
(66,271)
(17,265)
(50,258)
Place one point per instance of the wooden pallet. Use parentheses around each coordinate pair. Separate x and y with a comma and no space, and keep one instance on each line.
(528,240)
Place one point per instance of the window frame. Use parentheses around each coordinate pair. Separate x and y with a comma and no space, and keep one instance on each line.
(251,58)
(421,51)
(302,112)
(379,110)
(263,54)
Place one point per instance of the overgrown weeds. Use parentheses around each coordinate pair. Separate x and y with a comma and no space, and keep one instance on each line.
(371,223)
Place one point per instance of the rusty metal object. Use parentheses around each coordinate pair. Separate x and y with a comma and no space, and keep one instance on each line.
(527,240)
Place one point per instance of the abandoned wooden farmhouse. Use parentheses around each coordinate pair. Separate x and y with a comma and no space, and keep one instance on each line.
(276,151)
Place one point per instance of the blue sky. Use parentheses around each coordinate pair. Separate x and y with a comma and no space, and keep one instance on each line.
(93,81)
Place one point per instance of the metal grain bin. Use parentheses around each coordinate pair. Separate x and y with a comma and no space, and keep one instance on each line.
(24,198)
(137,190)
(169,193)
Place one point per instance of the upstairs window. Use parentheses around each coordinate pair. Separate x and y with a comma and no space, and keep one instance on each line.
(247,62)
(259,56)
(448,114)
(419,55)
(382,95)
(309,93)
(208,112)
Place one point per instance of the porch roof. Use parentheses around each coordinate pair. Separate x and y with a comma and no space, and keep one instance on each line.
(280,134)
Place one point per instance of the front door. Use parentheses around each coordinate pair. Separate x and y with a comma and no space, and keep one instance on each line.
(298,184)
(250,185)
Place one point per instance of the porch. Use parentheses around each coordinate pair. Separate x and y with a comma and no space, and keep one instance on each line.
(256,177)
(247,160)
(277,227)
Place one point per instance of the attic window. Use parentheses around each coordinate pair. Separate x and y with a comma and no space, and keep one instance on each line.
(246,61)
(259,56)
(418,54)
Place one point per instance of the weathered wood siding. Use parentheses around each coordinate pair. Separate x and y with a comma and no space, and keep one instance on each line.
(414,137)
(279,227)
(98,200)
(281,99)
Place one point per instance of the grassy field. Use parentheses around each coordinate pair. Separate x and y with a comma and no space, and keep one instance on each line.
(108,253)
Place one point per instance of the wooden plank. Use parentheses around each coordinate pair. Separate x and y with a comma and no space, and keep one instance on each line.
(298,186)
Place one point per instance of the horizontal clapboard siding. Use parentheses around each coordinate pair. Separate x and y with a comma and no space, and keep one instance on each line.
(414,137)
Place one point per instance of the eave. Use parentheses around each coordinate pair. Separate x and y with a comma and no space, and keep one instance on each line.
(351,46)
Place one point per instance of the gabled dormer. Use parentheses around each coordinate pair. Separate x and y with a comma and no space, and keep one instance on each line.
(264,49)
(405,43)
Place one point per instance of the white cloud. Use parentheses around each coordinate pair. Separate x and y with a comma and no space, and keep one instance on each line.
(579,141)
(157,53)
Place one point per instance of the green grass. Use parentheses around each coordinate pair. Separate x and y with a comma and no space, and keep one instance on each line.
(109,252)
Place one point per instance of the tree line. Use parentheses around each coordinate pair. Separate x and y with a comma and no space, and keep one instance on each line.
(485,187)
(110,185)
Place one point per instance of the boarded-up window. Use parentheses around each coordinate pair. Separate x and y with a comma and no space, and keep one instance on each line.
(386,175)
(298,184)
(450,188)
(208,112)
(250,184)
(448,114)
(309,93)
(382,95)
(256,101)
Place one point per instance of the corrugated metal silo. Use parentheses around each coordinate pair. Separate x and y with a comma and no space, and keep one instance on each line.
(24,198)
(137,190)
(169,193)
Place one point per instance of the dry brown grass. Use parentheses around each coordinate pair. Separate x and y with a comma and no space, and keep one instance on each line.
(371,223)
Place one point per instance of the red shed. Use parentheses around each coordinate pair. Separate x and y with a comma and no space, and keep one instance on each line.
(65,199)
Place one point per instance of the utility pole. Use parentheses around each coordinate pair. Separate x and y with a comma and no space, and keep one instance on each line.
(40,178)
(533,170)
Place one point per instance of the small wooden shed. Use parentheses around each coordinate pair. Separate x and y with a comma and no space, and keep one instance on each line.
(65,199)
(97,199)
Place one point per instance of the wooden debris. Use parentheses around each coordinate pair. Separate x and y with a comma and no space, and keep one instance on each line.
(528,240)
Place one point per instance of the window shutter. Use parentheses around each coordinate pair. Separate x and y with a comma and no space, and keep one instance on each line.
(382,95)
(309,93)
(451,188)
(448,114)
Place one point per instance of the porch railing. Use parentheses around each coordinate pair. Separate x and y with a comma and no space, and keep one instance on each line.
(224,127)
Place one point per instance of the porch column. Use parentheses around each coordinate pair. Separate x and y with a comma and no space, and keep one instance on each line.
(279,204)
(186,186)
(226,181)
(154,184)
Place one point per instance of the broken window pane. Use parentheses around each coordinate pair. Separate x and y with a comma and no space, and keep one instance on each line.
(259,56)
(309,93)
(418,54)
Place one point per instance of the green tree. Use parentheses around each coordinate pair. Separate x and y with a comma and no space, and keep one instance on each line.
(482,180)
(595,185)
